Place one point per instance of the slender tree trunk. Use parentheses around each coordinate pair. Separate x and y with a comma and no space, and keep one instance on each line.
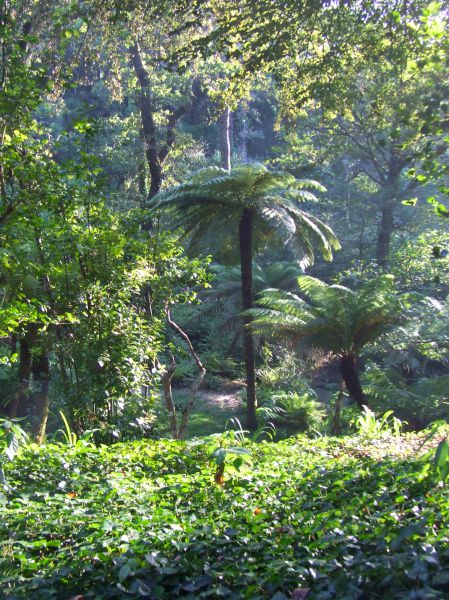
(246,265)
(224,123)
(243,134)
(168,397)
(17,405)
(41,377)
(351,378)
(195,385)
(385,231)
(361,235)
(176,431)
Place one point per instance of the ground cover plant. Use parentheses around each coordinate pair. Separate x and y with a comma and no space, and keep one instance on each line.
(350,517)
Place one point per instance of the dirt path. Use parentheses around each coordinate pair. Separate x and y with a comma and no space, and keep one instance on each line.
(226,398)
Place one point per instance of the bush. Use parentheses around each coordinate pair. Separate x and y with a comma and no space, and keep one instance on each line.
(419,403)
(293,410)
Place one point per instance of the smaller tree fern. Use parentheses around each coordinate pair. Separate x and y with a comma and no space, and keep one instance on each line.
(222,302)
(333,318)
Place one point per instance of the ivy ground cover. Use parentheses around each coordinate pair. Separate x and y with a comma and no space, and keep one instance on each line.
(326,518)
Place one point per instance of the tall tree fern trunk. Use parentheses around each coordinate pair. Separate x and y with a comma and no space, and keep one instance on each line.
(246,265)
(351,378)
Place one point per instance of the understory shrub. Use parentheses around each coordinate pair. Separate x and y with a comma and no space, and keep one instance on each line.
(420,403)
(293,410)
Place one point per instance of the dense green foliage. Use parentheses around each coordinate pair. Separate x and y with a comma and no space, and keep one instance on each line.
(331,316)
(146,148)
(347,518)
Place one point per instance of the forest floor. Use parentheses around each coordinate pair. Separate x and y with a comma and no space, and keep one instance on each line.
(213,408)
(228,397)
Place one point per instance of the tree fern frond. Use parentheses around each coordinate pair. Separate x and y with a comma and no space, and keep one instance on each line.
(206,174)
(310,184)
(299,195)
(311,286)
(279,220)
(264,319)
(333,318)
(214,194)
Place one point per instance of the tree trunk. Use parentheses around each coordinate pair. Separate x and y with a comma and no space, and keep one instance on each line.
(166,378)
(41,377)
(141,179)
(243,134)
(148,123)
(224,123)
(246,265)
(17,405)
(351,378)
(196,384)
(392,193)
(385,231)
(157,146)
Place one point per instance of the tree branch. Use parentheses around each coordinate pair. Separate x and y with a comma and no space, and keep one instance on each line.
(196,384)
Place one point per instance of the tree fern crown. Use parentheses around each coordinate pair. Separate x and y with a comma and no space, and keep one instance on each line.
(210,204)
(332,317)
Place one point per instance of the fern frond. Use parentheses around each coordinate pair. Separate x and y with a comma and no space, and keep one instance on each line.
(210,205)
(332,317)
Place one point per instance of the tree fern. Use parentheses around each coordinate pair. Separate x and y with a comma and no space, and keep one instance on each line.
(239,212)
(209,206)
(333,318)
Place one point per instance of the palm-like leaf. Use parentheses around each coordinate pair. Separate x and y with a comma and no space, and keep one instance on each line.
(332,317)
(209,207)
(223,301)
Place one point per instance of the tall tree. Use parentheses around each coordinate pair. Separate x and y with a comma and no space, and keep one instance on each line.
(245,208)
(224,124)
(157,146)
(383,133)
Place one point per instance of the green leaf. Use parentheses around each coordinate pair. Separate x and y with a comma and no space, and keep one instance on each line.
(442,454)
(124,573)
(12,445)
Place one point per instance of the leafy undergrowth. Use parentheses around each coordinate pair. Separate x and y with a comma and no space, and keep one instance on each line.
(345,518)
